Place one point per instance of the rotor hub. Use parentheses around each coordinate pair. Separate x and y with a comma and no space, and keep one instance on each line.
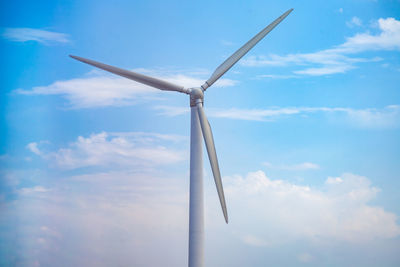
(196,96)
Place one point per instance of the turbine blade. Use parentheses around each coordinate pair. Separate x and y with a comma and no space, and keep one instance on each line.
(212,155)
(228,63)
(150,81)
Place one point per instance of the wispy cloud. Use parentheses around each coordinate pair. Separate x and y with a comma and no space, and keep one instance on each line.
(33,190)
(252,240)
(338,59)
(226,43)
(386,117)
(33,147)
(305,257)
(340,68)
(101,90)
(293,167)
(278,76)
(354,22)
(171,111)
(38,35)
(107,150)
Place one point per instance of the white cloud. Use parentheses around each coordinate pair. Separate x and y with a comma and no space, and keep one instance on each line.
(226,43)
(32,190)
(305,257)
(252,114)
(386,117)
(387,39)
(340,68)
(334,180)
(224,83)
(278,76)
(254,241)
(33,147)
(94,91)
(354,22)
(171,111)
(108,90)
(285,212)
(294,167)
(115,150)
(338,59)
(375,118)
(29,34)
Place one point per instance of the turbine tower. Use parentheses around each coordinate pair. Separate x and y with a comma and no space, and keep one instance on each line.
(199,127)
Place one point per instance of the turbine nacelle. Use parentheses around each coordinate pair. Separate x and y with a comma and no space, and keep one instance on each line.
(196,96)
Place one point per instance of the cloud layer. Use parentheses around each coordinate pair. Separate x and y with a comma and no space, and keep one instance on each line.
(338,211)
(386,117)
(103,90)
(130,149)
(122,217)
(134,203)
(338,59)
(38,35)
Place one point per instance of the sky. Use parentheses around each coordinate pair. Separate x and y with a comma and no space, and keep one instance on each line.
(95,167)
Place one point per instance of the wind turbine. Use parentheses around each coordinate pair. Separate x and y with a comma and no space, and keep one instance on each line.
(199,126)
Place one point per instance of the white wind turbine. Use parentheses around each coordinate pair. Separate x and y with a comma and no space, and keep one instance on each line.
(199,127)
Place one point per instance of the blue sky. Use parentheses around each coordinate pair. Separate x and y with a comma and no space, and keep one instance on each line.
(94,168)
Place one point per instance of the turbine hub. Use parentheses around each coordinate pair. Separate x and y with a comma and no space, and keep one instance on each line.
(196,96)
